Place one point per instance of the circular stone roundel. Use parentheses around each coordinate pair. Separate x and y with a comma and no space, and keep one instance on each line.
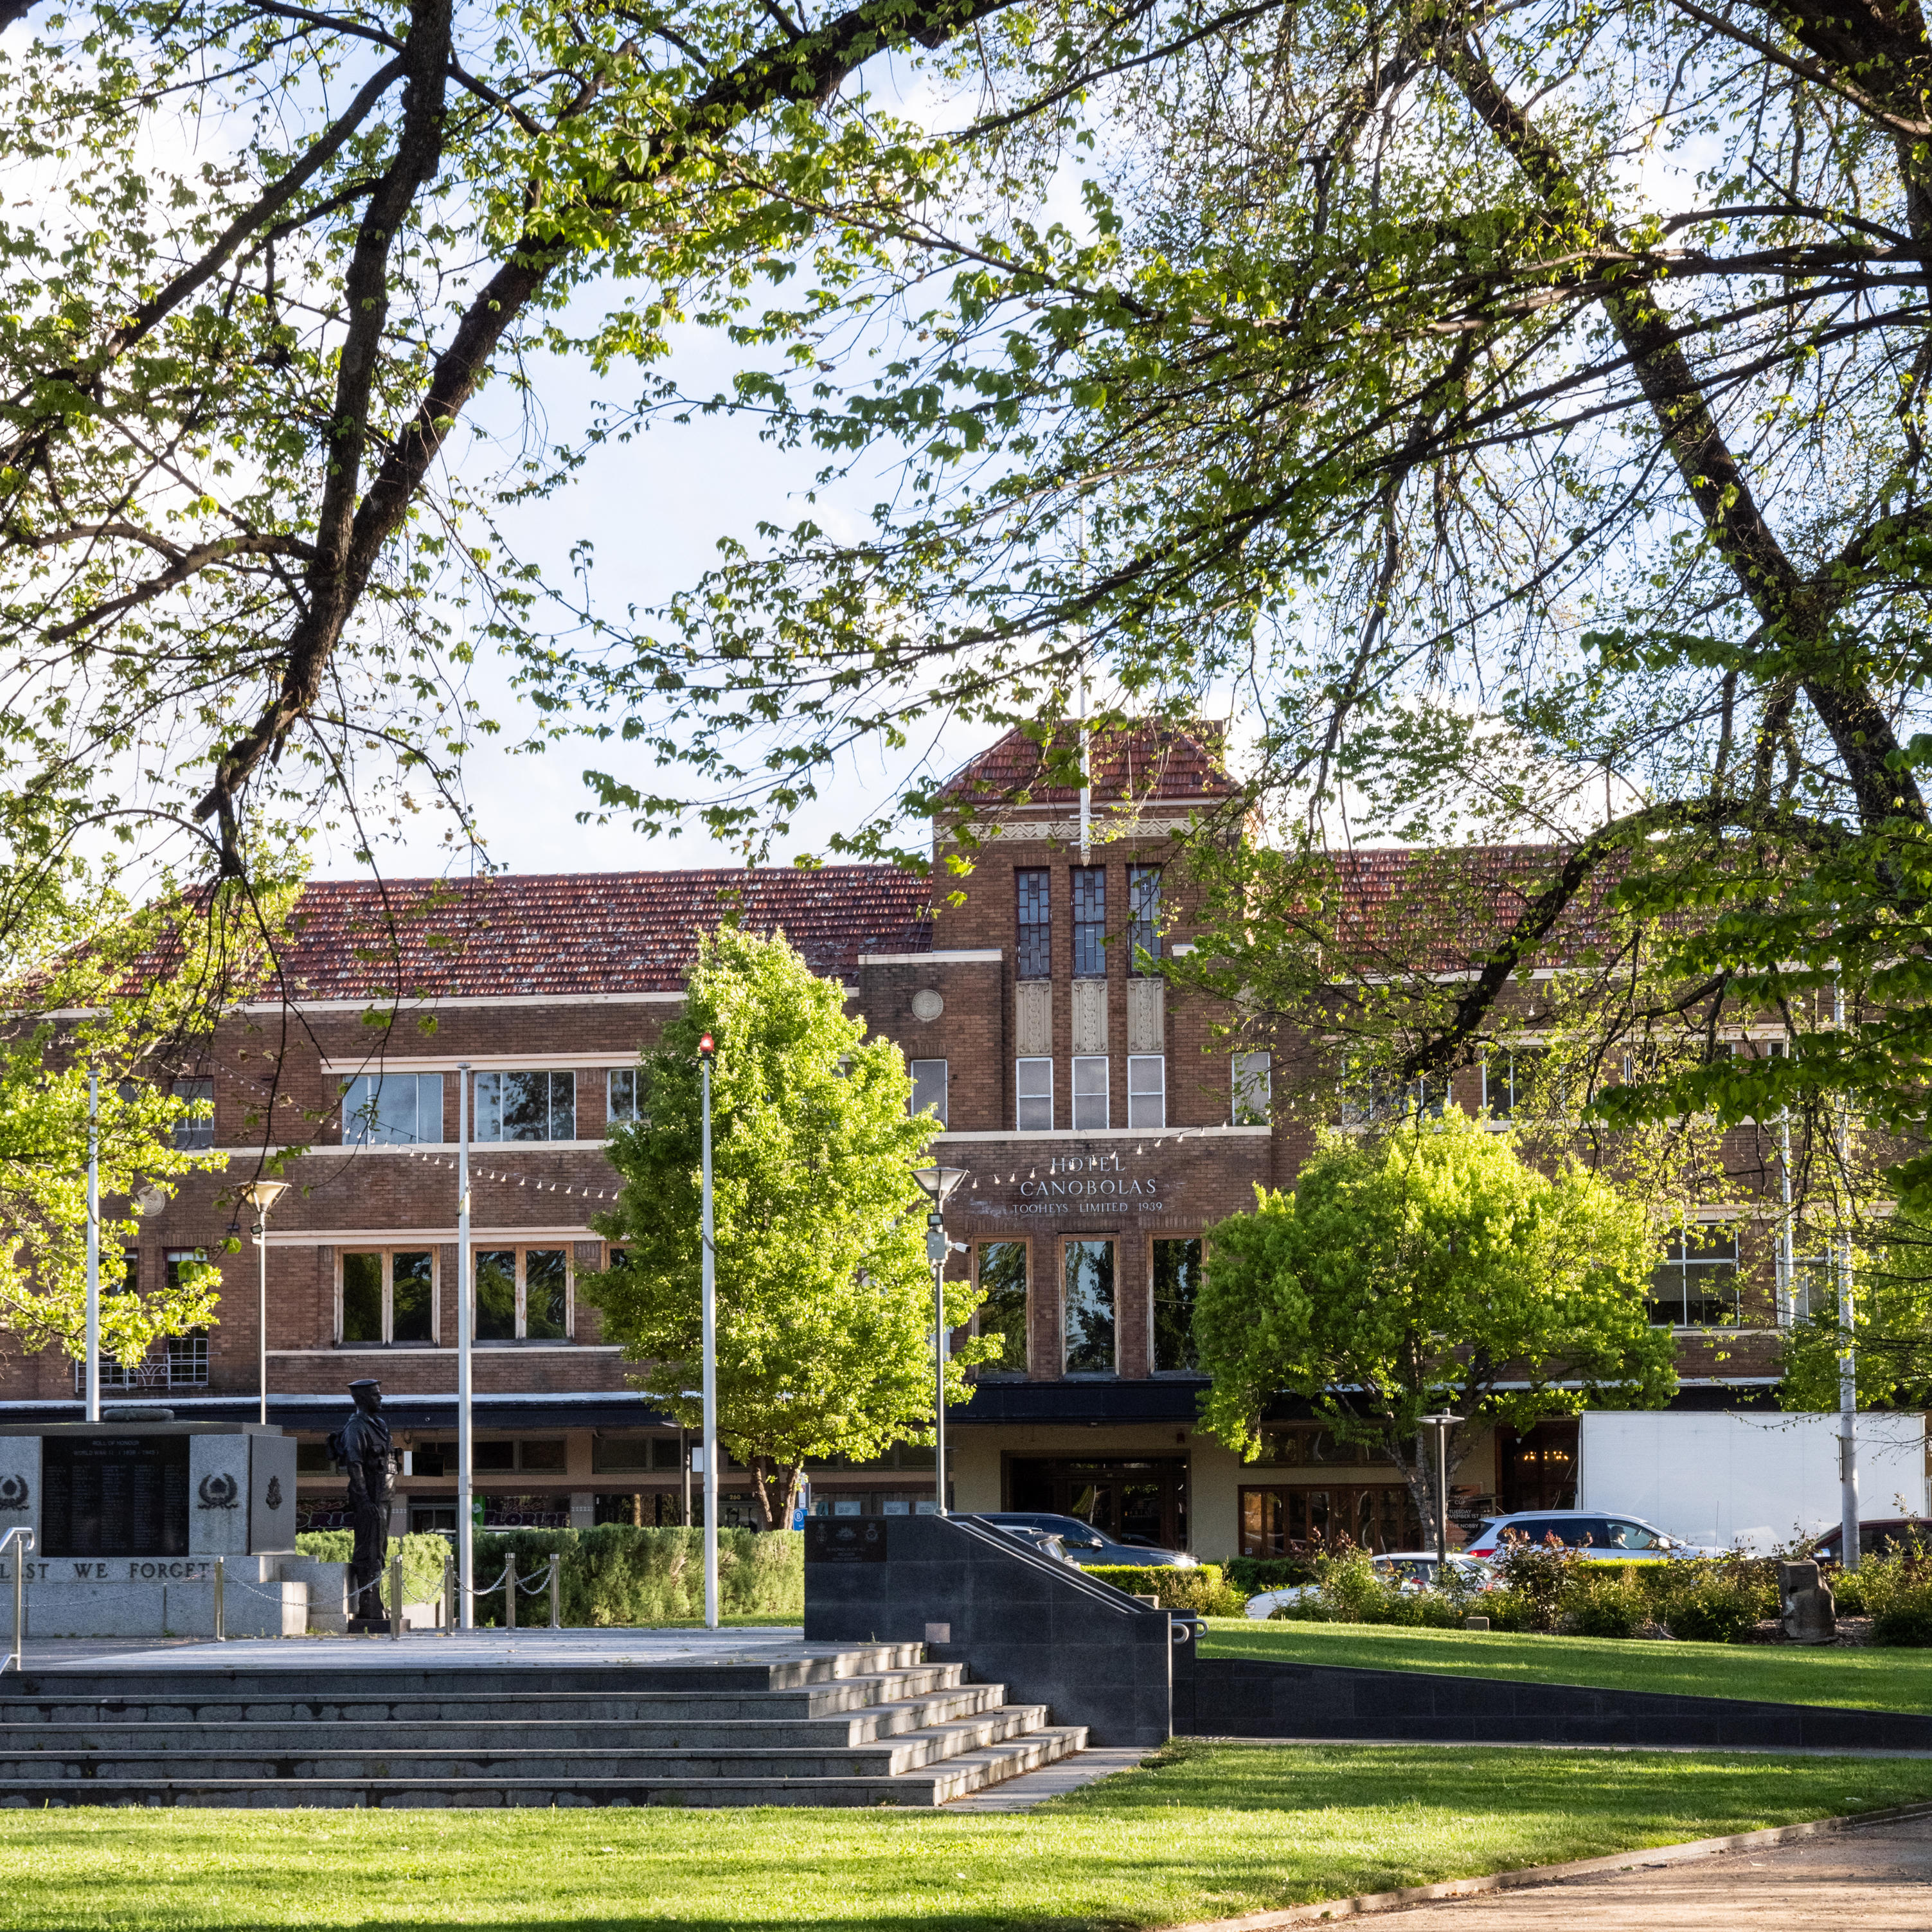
(927,1004)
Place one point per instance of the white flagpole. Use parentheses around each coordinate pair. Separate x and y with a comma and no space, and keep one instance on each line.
(709,1317)
(465,1551)
(93,1245)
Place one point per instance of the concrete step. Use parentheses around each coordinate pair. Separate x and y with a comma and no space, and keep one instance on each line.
(211,1698)
(937,1784)
(535,1757)
(278,1736)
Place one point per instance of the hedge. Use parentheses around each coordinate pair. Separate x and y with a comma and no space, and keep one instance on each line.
(421,1554)
(615,1575)
(1204,1590)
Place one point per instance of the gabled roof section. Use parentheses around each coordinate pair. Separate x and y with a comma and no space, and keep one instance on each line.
(1149,763)
(561,934)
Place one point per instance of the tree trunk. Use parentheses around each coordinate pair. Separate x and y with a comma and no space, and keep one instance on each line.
(775,1486)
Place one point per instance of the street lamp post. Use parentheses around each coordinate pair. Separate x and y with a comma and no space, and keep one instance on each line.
(938,1183)
(707,1051)
(466,1329)
(1441,1424)
(262,1196)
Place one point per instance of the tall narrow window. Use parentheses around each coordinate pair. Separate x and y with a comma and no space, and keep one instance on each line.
(196,1129)
(1147,1090)
(1032,1086)
(1090,1091)
(620,1095)
(1177,1280)
(1509,1079)
(391,1109)
(1254,1089)
(1034,951)
(1002,1281)
(1090,921)
(1143,918)
(1088,1326)
(928,1088)
(495,1273)
(533,1106)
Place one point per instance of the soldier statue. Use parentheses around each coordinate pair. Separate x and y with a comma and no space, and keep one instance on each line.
(362,1448)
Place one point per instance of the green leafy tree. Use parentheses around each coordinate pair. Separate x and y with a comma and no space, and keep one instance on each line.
(824,1326)
(1428,1269)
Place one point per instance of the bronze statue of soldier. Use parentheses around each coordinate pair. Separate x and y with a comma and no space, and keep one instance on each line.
(362,1448)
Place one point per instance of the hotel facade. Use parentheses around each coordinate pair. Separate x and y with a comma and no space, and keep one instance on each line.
(1104,1124)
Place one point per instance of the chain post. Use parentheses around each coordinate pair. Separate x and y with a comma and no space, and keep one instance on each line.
(396,1598)
(510,1591)
(220,1616)
(556,1593)
(448,1595)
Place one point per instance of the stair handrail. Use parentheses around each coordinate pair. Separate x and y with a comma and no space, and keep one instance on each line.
(21,1536)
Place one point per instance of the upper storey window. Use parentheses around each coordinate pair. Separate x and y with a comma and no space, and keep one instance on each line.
(526,1106)
(392,1109)
(1143,916)
(196,1129)
(1090,921)
(1035,923)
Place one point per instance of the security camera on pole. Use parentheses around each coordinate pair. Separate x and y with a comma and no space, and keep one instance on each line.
(938,1183)
(707,1051)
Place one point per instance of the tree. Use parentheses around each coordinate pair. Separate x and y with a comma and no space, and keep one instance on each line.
(1429,1269)
(824,1325)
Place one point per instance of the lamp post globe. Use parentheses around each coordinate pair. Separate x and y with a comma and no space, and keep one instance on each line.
(938,1183)
(261,1195)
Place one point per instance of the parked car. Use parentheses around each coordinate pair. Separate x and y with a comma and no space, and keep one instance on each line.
(1879,1538)
(1626,1538)
(1046,1541)
(1409,1570)
(1087,1546)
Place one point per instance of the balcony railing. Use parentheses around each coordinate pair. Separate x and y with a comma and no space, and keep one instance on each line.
(180,1362)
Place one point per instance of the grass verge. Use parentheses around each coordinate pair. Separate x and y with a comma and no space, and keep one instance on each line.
(1210,1831)
(1872,1680)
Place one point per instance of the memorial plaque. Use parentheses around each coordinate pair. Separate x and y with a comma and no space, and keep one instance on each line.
(114,1495)
(833,1541)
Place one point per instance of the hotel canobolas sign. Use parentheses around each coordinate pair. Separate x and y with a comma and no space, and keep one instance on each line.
(1075,1185)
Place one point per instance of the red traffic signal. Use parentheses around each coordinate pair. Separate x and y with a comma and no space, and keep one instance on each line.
(706,1047)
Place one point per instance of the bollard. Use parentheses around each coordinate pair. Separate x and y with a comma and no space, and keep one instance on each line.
(556,1594)
(510,1592)
(396,1598)
(221,1617)
(449,1594)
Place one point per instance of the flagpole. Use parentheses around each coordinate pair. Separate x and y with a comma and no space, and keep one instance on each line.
(710,1319)
(93,1245)
(466,1547)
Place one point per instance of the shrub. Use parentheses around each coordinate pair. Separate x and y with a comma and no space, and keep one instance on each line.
(1599,1604)
(1348,1590)
(1204,1590)
(1715,1609)
(421,1554)
(1895,1592)
(1252,1575)
(1536,1578)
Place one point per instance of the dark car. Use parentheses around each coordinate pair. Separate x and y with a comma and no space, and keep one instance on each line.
(1087,1546)
(1878,1538)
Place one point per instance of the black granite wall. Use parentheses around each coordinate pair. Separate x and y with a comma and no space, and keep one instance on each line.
(1050,1634)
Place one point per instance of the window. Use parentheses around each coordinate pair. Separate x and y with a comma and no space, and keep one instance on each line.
(196,1129)
(1254,1089)
(1509,1079)
(523,1294)
(1088,1327)
(1033,1085)
(1090,1090)
(1176,1281)
(1695,1284)
(388,1294)
(1147,1090)
(526,1106)
(1143,917)
(1090,921)
(929,1088)
(1370,1097)
(176,1361)
(391,1109)
(1035,950)
(620,1095)
(1002,1281)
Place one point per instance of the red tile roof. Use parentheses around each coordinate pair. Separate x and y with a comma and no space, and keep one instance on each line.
(563,933)
(1149,762)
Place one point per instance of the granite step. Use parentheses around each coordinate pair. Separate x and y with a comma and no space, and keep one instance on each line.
(280,1734)
(923,1787)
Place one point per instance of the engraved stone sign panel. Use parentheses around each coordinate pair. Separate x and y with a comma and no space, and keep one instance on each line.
(218,1501)
(114,1496)
(833,1540)
(20,1484)
(272,1493)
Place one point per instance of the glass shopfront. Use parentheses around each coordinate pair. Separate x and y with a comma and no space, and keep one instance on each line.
(1284,1522)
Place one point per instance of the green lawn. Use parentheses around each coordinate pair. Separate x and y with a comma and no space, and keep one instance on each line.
(1874,1680)
(1212,1831)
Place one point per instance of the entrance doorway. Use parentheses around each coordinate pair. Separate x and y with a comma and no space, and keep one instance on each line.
(1537,1470)
(1128,1499)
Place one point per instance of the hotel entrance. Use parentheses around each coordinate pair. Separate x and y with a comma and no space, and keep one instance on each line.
(1136,1500)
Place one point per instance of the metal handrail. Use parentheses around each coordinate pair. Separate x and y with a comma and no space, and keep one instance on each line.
(22,1537)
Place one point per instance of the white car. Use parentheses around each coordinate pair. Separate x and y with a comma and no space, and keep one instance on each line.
(1409,1570)
(1597,1533)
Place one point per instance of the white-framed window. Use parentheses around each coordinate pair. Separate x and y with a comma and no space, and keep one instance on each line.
(1695,1286)
(1090,1091)
(386,1295)
(1370,1096)
(194,1130)
(1032,1088)
(523,1294)
(391,1109)
(1147,1090)
(1509,1079)
(531,1106)
(1254,1089)
(623,1085)
(928,1088)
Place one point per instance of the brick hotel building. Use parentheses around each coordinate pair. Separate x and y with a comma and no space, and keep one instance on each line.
(1104,1123)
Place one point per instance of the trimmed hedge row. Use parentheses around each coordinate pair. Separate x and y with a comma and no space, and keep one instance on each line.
(1203,1590)
(421,1554)
(615,1575)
